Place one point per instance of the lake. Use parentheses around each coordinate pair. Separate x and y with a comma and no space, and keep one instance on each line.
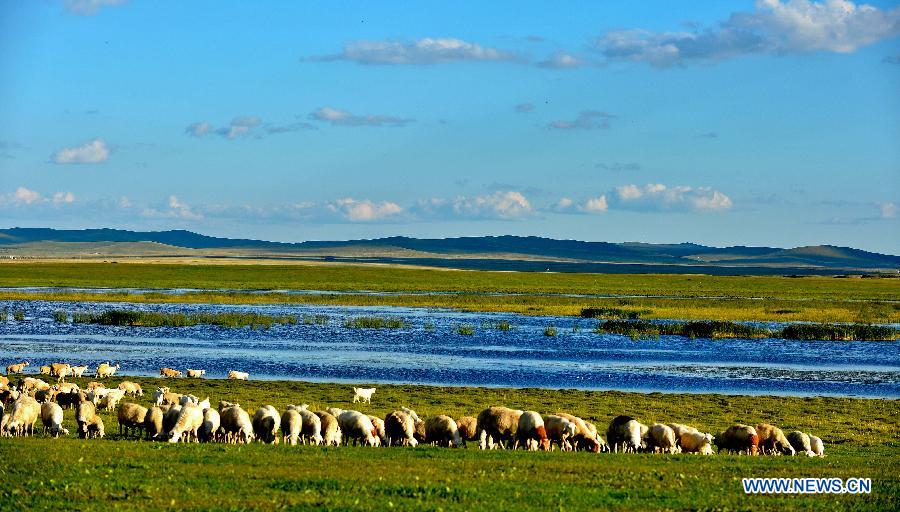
(430,351)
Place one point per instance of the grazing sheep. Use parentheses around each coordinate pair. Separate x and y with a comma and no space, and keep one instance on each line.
(195,374)
(131,388)
(67,387)
(818,447)
(442,430)
(52,418)
(378,423)
(585,438)
(68,399)
(330,428)
(4,382)
(94,385)
(132,417)
(30,385)
(153,422)
(738,439)
(46,395)
(109,402)
(169,398)
(497,425)
(531,433)
(169,373)
(78,371)
(105,370)
(235,375)
(188,399)
(334,411)
(312,426)
(16,368)
(772,440)
(45,369)
(190,419)
(363,394)
(412,414)
(660,438)
(468,428)
(696,442)
(170,418)
(291,425)
(236,423)
(89,423)
(801,443)
(22,416)
(266,421)
(625,434)
(560,431)
(210,428)
(400,429)
(60,370)
(159,393)
(204,404)
(357,427)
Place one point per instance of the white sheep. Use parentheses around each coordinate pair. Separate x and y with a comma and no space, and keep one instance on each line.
(195,374)
(236,375)
(818,447)
(660,438)
(400,429)
(330,428)
(531,433)
(131,417)
(266,421)
(291,425)
(363,395)
(189,422)
(356,426)
(696,442)
(52,418)
(312,426)
(210,428)
(22,416)
(236,423)
(442,431)
(109,402)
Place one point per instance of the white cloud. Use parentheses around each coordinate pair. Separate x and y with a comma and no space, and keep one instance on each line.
(586,120)
(659,197)
(420,52)
(63,197)
(242,126)
(773,27)
(23,195)
(504,205)
(365,210)
(340,117)
(591,205)
(93,152)
(239,126)
(595,205)
(561,60)
(89,7)
(123,202)
(198,129)
(888,210)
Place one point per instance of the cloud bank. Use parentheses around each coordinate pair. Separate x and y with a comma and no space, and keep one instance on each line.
(93,152)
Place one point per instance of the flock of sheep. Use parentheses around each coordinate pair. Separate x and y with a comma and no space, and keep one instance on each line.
(182,417)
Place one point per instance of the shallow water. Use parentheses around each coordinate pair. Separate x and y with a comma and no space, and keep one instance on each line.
(429,351)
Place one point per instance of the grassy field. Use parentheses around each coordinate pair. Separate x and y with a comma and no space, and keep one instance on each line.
(689,297)
(860,435)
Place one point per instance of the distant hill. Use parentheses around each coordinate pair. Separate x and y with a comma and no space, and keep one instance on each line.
(399,249)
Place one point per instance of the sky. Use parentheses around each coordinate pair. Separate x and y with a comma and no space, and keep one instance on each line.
(766,123)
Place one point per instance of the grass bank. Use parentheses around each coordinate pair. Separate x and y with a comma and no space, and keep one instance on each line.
(112,473)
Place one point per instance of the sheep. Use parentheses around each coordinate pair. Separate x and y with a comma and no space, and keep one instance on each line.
(30,385)
(16,368)
(363,395)
(94,385)
(190,419)
(59,370)
(442,430)
(378,423)
(210,428)
(131,388)
(585,438)
(625,433)
(560,430)
(153,422)
(236,423)
(170,418)
(195,374)
(818,447)
(109,402)
(330,428)
(46,395)
(531,433)
(22,416)
(169,398)
(739,439)
(4,382)
(131,417)
(696,442)
(772,440)
(412,414)
(236,375)
(291,425)
(468,428)
(78,371)
(497,425)
(204,404)
(89,423)
(169,372)
(334,411)
(188,399)
(105,370)
(400,429)
(312,426)
(45,370)
(266,421)
(660,438)
(68,399)
(159,393)
(67,387)
(801,443)
(356,426)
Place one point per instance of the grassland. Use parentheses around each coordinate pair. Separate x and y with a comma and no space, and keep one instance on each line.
(861,441)
(688,297)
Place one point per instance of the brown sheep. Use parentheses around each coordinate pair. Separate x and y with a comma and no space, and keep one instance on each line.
(772,440)
(497,425)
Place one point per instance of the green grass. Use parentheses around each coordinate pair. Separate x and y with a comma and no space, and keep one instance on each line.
(60,316)
(465,330)
(18,315)
(374,322)
(719,329)
(135,318)
(688,297)
(860,437)
(550,331)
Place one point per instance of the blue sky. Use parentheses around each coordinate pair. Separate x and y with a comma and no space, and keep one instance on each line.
(759,123)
